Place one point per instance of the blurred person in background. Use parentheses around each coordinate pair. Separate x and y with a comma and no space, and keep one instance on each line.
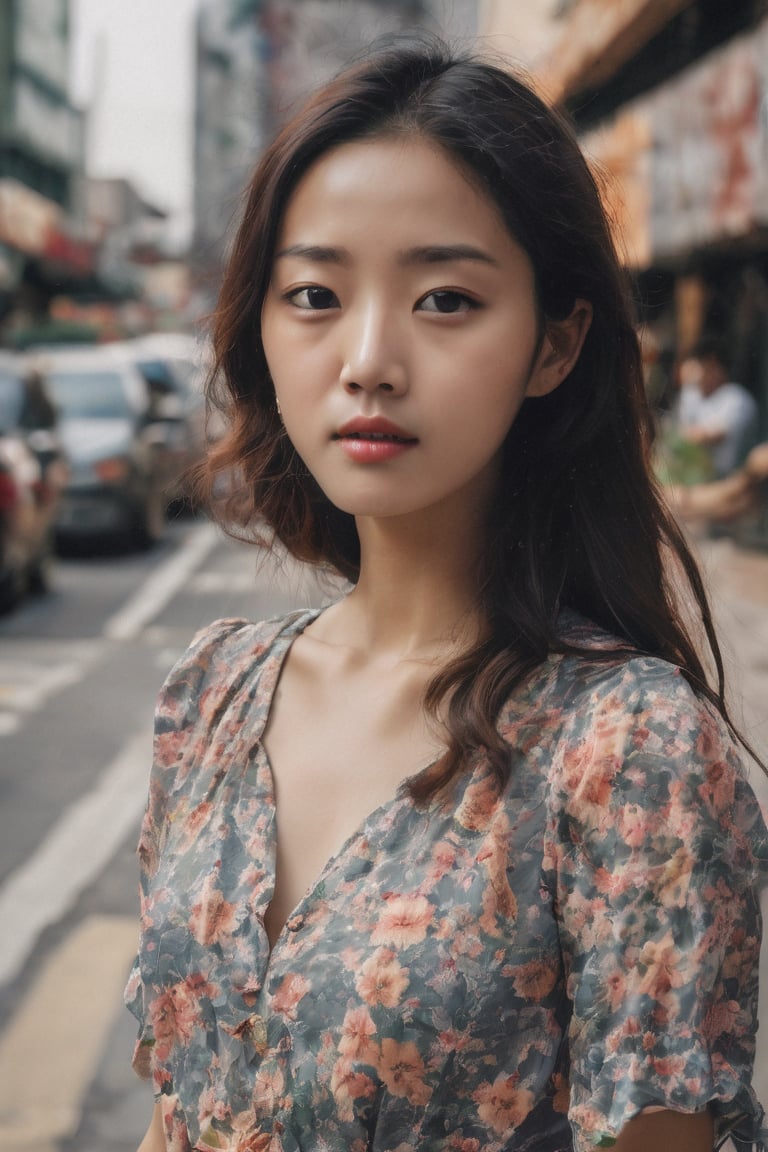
(468,859)
(715,413)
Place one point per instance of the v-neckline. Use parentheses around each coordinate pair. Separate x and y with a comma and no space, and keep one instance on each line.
(295,627)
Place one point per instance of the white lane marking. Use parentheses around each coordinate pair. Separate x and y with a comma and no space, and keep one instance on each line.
(33,684)
(50,1051)
(212,583)
(79,845)
(31,671)
(162,585)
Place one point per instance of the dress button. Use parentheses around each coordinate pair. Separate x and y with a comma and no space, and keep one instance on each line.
(295,923)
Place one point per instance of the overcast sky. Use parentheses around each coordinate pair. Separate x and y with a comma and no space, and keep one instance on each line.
(132,64)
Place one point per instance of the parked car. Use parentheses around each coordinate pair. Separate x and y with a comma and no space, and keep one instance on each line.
(172,367)
(119,439)
(33,472)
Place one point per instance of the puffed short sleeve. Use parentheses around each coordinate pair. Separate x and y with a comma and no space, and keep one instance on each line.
(187,707)
(657,845)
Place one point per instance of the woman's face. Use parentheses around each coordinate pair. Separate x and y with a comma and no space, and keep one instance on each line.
(401,331)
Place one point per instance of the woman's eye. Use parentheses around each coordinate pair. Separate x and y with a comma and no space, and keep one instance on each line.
(446,302)
(313,299)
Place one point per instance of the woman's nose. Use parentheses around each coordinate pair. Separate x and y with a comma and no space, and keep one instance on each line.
(373,357)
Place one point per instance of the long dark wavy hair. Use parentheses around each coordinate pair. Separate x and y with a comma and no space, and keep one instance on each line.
(577,521)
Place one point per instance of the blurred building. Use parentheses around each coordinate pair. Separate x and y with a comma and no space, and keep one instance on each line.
(43,243)
(255,60)
(128,232)
(671,100)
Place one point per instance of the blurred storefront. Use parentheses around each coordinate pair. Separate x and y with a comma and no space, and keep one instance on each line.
(44,247)
(671,101)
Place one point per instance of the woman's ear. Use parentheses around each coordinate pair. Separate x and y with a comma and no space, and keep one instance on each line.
(560,349)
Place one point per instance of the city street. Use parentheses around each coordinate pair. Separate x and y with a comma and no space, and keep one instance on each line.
(79,670)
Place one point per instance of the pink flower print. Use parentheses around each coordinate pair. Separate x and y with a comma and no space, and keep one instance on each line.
(499,901)
(176,1135)
(268,1087)
(614,987)
(708,738)
(535,980)
(576,760)
(259,1142)
(718,788)
(174,1016)
(382,980)
(478,804)
(194,824)
(293,987)
(213,918)
(633,825)
(598,784)
(348,1085)
(721,1020)
(662,963)
(640,736)
(674,883)
(669,1065)
(613,884)
(679,819)
(404,921)
(502,1105)
(402,1070)
(356,1036)
(443,860)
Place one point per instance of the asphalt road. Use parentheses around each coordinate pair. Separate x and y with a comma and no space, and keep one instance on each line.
(79,671)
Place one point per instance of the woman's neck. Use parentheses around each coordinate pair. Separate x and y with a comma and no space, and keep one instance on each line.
(417,595)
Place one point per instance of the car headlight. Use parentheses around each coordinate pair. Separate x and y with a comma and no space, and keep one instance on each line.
(112,470)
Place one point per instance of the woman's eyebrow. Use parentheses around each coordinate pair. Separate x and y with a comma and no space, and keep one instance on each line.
(318,253)
(424,254)
(444,253)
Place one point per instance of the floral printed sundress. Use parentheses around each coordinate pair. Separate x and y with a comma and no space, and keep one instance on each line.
(516,970)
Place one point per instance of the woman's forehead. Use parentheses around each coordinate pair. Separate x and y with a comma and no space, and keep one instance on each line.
(404,185)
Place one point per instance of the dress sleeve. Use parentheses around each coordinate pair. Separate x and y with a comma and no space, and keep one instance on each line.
(188,699)
(657,842)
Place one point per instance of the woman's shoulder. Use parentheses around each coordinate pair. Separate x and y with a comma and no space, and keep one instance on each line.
(605,671)
(635,730)
(222,656)
(616,704)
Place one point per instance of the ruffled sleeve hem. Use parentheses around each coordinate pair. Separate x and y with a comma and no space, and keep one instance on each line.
(133,998)
(598,1123)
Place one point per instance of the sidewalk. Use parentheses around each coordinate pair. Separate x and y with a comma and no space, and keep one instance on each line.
(742,573)
(737,581)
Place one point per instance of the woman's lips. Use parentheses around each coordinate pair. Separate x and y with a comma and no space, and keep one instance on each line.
(373,450)
(373,440)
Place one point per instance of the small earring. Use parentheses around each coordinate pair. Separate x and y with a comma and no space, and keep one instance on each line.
(279,409)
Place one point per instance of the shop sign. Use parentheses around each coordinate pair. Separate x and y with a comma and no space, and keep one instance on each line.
(66,251)
(709,149)
(687,165)
(27,219)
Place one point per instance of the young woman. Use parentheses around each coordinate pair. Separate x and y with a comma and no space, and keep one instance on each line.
(467,860)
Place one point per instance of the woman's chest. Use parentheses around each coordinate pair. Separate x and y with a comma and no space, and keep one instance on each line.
(423,907)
